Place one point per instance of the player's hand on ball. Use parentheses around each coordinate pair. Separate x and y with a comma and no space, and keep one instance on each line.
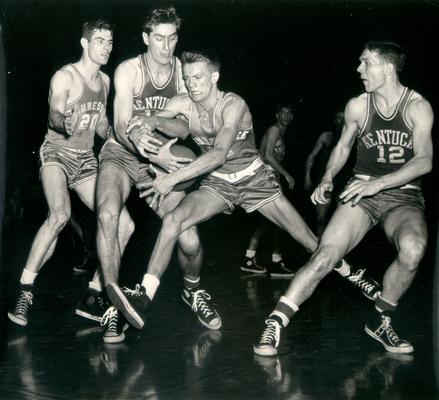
(167,160)
(70,122)
(145,124)
(145,143)
(318,196)
(155,191)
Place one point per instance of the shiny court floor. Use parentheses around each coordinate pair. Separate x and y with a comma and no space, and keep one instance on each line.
(324,353)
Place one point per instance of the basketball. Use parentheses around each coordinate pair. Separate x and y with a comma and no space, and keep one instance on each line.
(181,151)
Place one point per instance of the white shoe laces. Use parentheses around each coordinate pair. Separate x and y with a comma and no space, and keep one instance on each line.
(133,292)
(271,333)
(110,318)
(24,301)
(391,334)
(362,283)
(199,302)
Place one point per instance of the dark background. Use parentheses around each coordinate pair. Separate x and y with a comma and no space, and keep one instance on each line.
(305,52)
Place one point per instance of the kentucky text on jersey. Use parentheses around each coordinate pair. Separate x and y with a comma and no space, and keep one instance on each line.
(150,103)
(387,137)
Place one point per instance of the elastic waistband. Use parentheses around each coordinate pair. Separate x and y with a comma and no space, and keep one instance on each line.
(72,149)
(237,176)
(371,178)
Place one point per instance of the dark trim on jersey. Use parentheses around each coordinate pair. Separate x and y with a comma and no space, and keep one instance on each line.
(360,131)
(151,78)
(395,111)
(409,124)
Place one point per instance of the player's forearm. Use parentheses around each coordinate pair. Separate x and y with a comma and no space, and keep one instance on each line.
(122,137)
(56,121)
(173,127)
(205,163)
(416,167)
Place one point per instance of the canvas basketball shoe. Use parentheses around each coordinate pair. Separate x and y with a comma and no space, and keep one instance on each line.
(114,325)
(368,286)
(382,331)
(270,338)
(92,305)
(251,265)
(131,303)
(23,303)
(200,302)
(279,270)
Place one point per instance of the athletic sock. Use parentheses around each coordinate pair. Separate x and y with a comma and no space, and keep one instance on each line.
(382,305)
(150,283)
(276,257)
(28,277)
(95,285)
(250,253)
(191,284)
(343,268)
(283,311)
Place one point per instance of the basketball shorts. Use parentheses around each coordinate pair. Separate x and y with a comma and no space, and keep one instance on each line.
(136,168)
(254,190)
(377,207)
(78,165)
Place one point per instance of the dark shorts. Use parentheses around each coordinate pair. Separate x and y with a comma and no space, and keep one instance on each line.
(377,207)
(78,165)
(250,193)
(135,167)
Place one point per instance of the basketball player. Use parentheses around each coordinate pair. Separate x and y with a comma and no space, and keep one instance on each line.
(315,165)
(221,125)
(77,111)
(392,125)
(272,151)
(144,85)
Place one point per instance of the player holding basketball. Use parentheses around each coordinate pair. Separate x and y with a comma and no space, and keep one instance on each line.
(144,85)
(221,125)
(77,111)
(392,125)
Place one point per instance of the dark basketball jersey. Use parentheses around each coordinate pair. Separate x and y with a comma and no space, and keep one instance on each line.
(243,150)
(152,98)
(88,107)
(384,144)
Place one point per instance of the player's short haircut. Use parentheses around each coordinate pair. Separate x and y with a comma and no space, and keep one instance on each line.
(282,105)
(391,52)
(91,27)
(207,56)
(161,16)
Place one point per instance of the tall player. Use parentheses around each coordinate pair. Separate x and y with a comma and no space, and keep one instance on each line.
(221,125)
(77,111)
(144,85)
(392,125)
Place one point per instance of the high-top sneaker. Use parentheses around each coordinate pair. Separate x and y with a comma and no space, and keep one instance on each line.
(92,305)
(279,270)
(23,302)
(368,286)
(270,338)
(200,302)
(114,325)
(251,265)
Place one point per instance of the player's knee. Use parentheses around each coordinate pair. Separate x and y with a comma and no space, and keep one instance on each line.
(171,224)
(107,215)
(58,219)
(323,260)
(189,241)
(412,249)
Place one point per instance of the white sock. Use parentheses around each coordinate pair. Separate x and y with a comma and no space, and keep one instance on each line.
(276,257)
(250,253)
(191,283)
(28,277)
(150,283)
(344,269)
(95,285)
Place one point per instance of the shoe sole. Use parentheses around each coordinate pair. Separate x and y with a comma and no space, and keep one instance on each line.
(119,300)
(399,350)
(216,327)
(265,352)
(114,339)
(285,276)
(16,320)
(87,315)
(255,271)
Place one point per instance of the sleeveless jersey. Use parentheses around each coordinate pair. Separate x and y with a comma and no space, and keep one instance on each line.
(243,150)
(88,107)
(152,98)
(384,144)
